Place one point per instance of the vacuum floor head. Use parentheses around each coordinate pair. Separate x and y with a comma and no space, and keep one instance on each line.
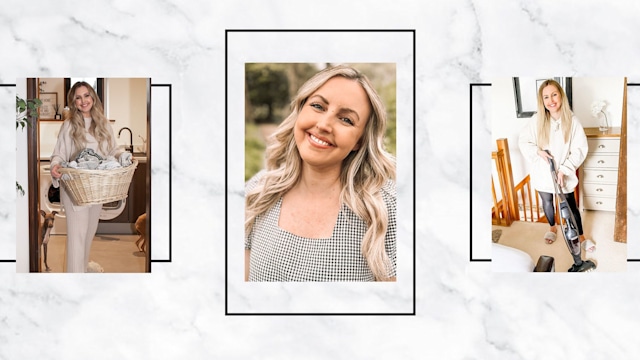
(585,266)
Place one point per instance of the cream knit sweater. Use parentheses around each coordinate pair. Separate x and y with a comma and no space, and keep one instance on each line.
(66,151)
(568,156)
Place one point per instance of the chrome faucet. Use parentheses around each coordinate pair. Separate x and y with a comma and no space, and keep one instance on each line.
(130,147)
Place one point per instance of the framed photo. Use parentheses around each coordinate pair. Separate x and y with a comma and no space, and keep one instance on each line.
(49,108)
(249,52)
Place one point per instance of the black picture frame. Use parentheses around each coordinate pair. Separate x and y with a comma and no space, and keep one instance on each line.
(523,86)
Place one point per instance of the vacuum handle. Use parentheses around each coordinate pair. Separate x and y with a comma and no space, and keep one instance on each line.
(551,162)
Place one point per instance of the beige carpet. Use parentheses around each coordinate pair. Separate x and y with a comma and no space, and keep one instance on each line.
(610,256)
(115,253)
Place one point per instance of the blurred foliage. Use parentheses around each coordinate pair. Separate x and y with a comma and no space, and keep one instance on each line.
(271,87)
(389,98)
(267,89)
(254,147)
(25,109)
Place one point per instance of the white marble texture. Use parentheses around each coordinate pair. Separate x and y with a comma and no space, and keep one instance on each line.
(463,310)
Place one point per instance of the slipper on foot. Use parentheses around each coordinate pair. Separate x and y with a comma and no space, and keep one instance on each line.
(94,267)
(550,237)
(588,245)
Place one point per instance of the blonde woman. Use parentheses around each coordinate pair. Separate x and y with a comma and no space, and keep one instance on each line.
(87,127)
(324,209)
(557,130)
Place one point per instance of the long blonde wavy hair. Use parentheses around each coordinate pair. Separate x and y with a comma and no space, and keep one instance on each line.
(544,116)
(99,126)
(363,174)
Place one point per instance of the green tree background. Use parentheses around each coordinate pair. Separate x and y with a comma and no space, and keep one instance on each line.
(270,87)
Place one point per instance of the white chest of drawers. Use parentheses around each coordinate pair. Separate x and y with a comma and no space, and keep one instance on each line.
(599,172)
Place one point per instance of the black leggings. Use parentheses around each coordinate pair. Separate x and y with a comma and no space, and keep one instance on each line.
(549,208)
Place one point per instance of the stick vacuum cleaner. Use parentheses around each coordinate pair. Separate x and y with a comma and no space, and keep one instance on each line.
(569,227)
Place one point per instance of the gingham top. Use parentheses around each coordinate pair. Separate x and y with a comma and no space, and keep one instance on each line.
(278,255)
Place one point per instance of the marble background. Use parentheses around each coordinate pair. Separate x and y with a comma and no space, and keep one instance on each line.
(463,310)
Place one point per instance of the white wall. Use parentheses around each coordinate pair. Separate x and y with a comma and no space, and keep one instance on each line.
(505,123)
(588,90)
(127,105)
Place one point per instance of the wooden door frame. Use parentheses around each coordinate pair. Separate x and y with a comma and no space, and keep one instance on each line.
(148,181)
(620,227)
(33,186)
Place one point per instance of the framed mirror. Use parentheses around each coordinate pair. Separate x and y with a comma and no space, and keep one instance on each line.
(525,90)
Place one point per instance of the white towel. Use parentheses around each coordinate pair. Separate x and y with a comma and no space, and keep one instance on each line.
(125,159)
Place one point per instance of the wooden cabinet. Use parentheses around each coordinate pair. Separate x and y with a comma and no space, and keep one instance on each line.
(137,199)
(599,172)
(138,192)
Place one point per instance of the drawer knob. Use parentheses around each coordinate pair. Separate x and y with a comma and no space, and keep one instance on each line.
(601,146)
(600,161)
(599,189)
(598,202)
(600,176)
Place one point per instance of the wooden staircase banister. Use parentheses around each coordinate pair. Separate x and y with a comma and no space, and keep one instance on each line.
(512,199)
(501,211)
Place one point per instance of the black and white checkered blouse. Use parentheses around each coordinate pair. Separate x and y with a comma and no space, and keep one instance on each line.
(278,255)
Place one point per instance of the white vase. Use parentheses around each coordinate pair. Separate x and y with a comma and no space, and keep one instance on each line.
(603,122)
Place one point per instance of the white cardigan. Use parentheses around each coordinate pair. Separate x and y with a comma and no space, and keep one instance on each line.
(567,160)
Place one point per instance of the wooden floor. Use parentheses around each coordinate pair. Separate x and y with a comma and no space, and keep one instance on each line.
(115,253)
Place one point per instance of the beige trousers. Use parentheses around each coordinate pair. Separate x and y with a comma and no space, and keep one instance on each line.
(82,224)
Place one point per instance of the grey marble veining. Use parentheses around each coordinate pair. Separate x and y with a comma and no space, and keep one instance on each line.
(464,311)
(7,192)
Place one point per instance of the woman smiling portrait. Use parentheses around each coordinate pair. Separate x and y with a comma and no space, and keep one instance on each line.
(324,208)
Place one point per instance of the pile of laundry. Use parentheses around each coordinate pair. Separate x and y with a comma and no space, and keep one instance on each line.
(88,159)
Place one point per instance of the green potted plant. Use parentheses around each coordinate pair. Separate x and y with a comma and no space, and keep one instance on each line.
(24,110)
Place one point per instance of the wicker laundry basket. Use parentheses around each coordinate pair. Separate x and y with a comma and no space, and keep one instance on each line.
(90,187)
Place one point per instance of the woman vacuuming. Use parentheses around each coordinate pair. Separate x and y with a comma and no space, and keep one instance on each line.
(555,133)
